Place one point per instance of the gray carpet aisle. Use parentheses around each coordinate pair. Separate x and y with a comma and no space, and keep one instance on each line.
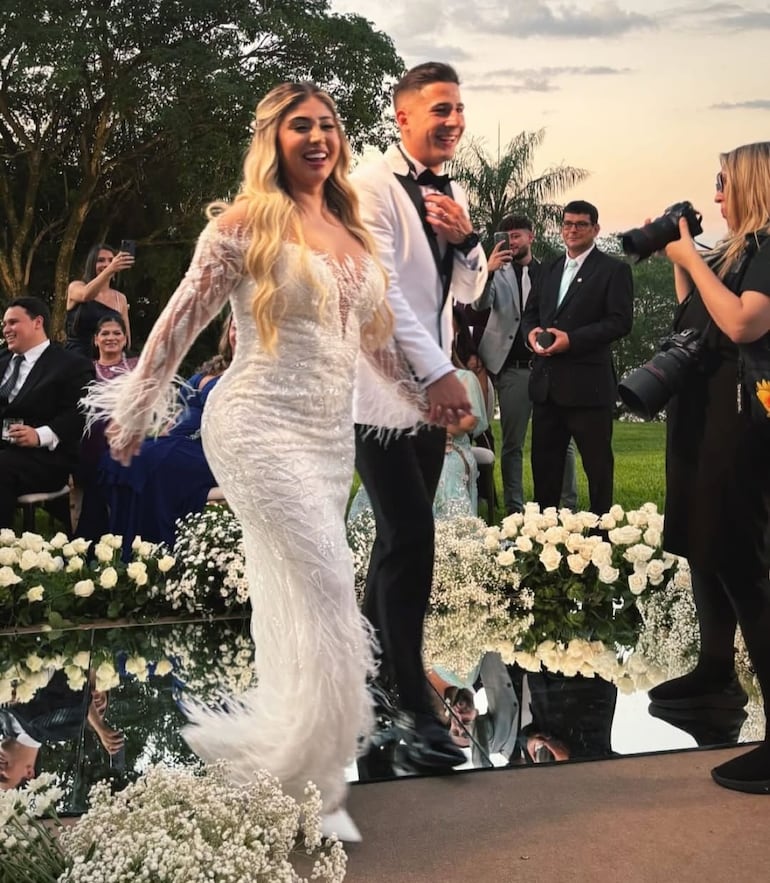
(656,819)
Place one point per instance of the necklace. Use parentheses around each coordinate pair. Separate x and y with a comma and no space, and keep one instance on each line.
(109,372)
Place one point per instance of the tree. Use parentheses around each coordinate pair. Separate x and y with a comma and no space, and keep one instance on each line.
(118,106)
(654,306)
(505,186)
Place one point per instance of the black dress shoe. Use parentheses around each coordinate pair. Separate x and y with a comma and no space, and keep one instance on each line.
(427,743)
(708,726)
(749,773)
(695,691)
(385,699)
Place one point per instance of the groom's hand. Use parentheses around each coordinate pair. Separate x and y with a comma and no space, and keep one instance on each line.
(447,217)
(448,400)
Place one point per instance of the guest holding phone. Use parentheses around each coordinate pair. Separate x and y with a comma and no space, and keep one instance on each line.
(91,299)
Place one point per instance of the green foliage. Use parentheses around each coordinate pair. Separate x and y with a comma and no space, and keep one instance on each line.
(654,306)
(122,119)
(640,476)
(506,185)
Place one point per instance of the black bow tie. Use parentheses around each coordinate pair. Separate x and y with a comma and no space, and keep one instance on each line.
(428,178)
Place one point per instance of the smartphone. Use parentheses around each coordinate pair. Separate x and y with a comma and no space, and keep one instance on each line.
(128,246)
(503,237)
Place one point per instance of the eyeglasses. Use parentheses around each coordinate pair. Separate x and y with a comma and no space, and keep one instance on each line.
(720,182)
(575,225)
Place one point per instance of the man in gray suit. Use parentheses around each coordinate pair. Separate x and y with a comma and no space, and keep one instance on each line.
(505,354)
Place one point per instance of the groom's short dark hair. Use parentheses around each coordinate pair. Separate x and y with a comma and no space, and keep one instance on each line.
(423,75)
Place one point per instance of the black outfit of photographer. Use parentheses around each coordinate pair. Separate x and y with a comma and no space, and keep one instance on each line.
(717,514)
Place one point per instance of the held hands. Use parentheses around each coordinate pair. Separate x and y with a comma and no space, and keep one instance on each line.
(500,256)
(560,343)
(447,217)
(448,400)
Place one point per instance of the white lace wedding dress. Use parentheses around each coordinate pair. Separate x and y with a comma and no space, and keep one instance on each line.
(277,432)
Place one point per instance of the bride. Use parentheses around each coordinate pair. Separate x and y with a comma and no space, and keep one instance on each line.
(292,256)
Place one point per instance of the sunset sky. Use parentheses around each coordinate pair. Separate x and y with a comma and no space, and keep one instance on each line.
(643,95)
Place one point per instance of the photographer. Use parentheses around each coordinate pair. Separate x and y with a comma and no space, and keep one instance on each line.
(717,463)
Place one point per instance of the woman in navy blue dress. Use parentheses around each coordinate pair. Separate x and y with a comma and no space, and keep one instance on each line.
(170,477)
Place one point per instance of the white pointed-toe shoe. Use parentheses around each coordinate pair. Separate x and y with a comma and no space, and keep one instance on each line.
(340,824)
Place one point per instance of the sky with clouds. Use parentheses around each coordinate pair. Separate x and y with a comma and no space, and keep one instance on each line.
(643,95)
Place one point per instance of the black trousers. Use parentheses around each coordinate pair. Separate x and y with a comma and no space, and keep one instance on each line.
(25,471)
(739,594)
(552,427)
(400,477)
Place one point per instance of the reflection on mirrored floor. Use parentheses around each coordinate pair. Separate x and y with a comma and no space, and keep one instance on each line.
(95,703)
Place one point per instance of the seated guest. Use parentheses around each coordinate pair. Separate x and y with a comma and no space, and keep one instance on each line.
(40,387)
(91,299)
(456,494)
(170,477)
(110,341)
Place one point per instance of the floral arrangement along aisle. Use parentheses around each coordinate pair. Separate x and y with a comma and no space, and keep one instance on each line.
(556,589)
(58,583)
(170,825)
(553,589)
(589,577)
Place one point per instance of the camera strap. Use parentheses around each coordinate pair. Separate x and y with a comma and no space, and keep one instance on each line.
(753,358)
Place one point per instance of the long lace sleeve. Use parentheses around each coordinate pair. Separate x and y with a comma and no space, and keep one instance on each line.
(143,400)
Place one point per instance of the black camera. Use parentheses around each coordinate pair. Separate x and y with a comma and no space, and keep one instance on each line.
(644,241)
(646,390)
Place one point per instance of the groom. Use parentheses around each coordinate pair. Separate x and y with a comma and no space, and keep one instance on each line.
(425,240)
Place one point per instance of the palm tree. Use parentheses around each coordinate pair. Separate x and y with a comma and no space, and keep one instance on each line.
(506,186)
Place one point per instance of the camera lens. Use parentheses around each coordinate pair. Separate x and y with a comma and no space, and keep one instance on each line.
(641,242)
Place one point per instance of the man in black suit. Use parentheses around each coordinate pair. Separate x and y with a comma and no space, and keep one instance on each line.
(40,385)
(513,272)
(584,300)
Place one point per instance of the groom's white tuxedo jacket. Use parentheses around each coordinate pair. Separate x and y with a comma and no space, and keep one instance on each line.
(423,327)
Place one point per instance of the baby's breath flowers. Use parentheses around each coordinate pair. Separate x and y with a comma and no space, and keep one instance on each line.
(193,825)
(170,825)
(28,847)
(206,572)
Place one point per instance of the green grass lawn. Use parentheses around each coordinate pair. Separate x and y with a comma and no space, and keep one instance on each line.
(639,466)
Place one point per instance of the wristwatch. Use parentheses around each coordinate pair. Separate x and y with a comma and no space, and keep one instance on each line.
(470,242)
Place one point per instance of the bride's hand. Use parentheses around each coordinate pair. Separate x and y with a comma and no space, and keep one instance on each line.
(121,451)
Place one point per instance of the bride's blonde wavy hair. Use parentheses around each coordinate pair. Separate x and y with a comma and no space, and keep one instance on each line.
(272,216)
(746,172)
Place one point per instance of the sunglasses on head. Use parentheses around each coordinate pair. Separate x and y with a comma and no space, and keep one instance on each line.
(720,183)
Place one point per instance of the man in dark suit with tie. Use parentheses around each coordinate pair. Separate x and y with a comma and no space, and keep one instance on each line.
(513,270)
(584,300)
(40,386)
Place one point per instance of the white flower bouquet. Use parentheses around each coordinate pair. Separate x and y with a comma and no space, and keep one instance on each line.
(586,574)
(209,573)
(58,582)
(169,825)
